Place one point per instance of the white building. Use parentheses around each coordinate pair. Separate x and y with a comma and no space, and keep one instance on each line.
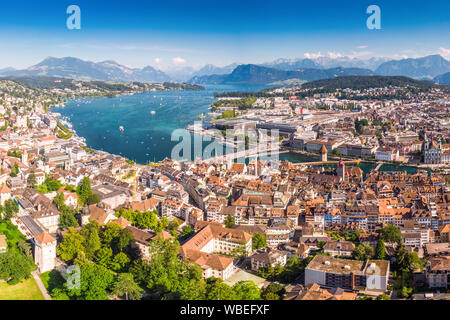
(45,252)
(387,154)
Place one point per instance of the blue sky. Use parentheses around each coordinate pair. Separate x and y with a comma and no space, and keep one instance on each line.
(192,33)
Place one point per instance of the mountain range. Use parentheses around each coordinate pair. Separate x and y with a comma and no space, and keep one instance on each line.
(326,63)
(258,75)
(78,69)
(433,67)
(443,78)
(422,68)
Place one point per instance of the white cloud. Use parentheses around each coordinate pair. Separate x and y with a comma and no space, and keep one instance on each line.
(362,47)
(313,55)
(444,52)
(158,60)
(178,61)
(333,55)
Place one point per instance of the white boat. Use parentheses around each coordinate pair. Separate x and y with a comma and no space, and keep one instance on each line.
(153,112)
(122,129)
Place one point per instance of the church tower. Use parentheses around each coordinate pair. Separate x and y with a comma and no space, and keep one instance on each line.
(341,170)
(324,153)
(25,157)
(45,252)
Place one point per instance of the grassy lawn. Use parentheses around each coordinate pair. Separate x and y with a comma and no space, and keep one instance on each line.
(52,280)
(26,290)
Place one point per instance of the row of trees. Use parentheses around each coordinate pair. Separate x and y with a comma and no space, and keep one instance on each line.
(98,283)
(97,251)
(165,276)
(149,220)
(107,245)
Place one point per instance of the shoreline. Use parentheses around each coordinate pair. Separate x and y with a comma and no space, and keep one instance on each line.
(82,141)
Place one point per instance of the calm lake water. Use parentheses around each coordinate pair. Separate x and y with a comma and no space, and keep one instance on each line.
(146,136)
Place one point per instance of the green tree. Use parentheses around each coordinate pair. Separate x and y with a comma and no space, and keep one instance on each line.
(120,262)
(383,297)
(273,289)
(93,199)
(391,233)
(81,258)
(403,258)
(169,276)
(14,170)
(124,240)
(71,245)
(416,262)
(271,296)
(125,286)
(104,256)
(111,234)
(26,248)
(67,220)
(95,282)
(52,184)
(84,190)
(10,209)
(229,221)
(59,201)
(405,292)
(218,290)
(247,290)
(140,270)
(380,251)
(15,266)
(321,244)
(93,242)
(186,232)
(173,225)
(362,252)
(31,180)
(408,262)
(259,241)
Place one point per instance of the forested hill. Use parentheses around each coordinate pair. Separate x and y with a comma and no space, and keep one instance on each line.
(365,82)
(49,83)
(254,74)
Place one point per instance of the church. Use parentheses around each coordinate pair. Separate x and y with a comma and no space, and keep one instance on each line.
(434,152)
